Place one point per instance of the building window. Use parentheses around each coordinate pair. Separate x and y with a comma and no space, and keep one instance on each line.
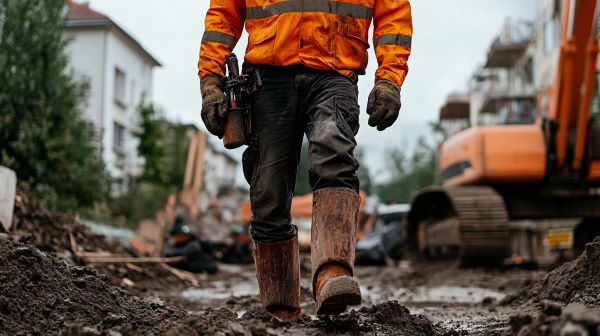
(120,83)
(528,72)
(119,137)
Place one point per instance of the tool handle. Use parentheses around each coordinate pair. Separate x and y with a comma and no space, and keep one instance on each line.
(235,130)
(233,67)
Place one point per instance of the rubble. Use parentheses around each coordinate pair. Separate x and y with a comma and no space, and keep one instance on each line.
(577,281)
(575,320)
(44,289)
(51,232)
(42,294)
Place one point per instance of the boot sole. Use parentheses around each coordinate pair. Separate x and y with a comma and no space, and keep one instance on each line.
(337,294)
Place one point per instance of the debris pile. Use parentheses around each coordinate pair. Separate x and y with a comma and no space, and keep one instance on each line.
(42,294)
(576,281)
(575,319)
(50,231)
(64,235)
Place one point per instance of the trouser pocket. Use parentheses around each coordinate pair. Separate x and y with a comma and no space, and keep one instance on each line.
(250,160)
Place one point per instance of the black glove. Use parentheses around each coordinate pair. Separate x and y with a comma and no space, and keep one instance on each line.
(214,104)
(384,104)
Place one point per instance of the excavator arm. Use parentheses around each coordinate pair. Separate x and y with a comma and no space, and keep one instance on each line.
(574,86)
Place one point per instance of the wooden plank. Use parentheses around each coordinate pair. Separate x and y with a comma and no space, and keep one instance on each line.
(133,260)
(8,190)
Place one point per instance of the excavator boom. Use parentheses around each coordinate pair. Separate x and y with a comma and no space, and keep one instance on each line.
(574,85)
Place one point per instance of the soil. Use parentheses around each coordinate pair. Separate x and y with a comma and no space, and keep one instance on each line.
(49,231)
(41,294)
(389,318)
(575,319)
(577,281)
(44,291)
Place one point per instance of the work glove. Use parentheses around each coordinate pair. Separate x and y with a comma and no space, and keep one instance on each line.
(384,104)
(214,104)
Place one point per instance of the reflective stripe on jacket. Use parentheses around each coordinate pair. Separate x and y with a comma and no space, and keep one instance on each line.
(320,34)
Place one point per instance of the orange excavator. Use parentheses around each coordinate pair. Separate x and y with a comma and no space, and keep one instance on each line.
(494,176)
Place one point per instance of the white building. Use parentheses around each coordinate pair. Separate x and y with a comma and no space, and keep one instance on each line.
(519,70)
(119,71)
(220,172)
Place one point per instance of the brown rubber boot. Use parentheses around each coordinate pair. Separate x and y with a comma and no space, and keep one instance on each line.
(278,274)
(333,239)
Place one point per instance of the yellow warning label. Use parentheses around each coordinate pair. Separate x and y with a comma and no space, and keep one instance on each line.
(559,238)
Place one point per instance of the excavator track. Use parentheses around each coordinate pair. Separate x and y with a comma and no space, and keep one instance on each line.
(467,223)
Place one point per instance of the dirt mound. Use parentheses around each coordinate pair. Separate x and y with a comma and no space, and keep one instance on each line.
(389,318)
(575,319)
(41,294)
(575,281)
(49,231)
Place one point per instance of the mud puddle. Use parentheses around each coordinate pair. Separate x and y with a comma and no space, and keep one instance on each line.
(432,295)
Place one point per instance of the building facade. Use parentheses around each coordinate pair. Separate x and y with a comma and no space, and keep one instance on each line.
(119,72)
(512,85)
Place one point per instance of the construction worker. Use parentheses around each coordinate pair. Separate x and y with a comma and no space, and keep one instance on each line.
(308,53)
(183,242)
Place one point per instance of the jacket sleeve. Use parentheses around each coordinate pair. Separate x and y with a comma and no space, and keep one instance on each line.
(222,29)
(392,38)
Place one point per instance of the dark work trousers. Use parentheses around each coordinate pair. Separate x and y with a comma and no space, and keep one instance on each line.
(292,102)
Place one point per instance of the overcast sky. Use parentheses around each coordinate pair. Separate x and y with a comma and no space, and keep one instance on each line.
(451,38)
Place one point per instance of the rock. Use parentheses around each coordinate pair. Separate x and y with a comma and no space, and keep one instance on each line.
(589,317)
(571,329)
(551,308)
(519,320)
(488,301)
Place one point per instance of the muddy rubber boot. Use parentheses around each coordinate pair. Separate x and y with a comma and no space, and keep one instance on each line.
(278,274)
(333,239)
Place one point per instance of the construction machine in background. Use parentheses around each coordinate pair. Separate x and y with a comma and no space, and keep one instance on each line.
(505,186)
(150,237)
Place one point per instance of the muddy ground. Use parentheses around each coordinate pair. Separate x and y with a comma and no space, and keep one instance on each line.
(44,290)
(469,301)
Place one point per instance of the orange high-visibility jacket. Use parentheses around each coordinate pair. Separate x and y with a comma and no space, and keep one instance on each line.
(319,34)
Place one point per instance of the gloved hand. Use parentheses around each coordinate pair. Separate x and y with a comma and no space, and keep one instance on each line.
(214,104)
(384,104)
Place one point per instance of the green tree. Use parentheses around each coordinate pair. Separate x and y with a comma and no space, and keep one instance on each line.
(163,145)
(151,144)
(409,173)
(176,150)
(42,134)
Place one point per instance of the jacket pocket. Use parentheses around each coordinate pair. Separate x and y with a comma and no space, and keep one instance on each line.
(351,45)
(261,43)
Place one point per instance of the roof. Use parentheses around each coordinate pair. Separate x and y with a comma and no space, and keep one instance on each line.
(82,16)
(82,11)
